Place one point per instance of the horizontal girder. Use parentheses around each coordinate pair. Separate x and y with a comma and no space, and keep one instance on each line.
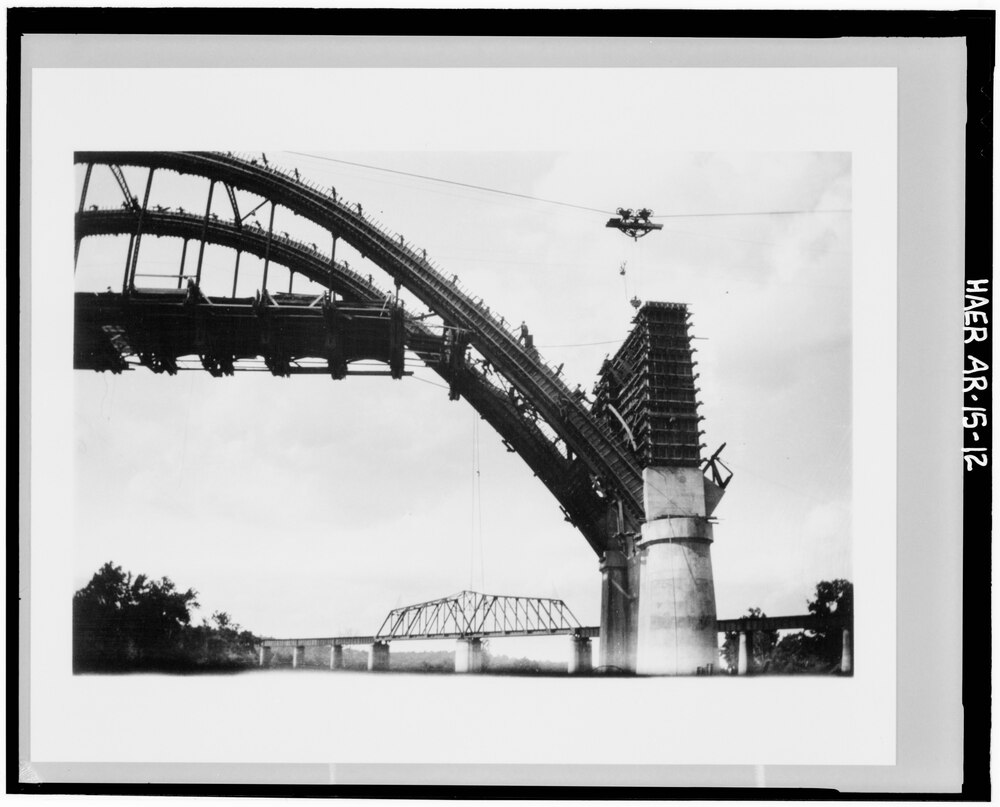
(162,326)
(746,624)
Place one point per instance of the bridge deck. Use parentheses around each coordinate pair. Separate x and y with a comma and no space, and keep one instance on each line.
(589,632)
(795,622)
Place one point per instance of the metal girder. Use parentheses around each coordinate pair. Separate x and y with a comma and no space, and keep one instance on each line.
(796,622)
(470,614)
(134,254)
(164,327)
(83,201)
(131,203)
(747,624)
(232,200)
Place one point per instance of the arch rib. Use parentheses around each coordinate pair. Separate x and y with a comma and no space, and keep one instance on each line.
(603,452)
(567,481)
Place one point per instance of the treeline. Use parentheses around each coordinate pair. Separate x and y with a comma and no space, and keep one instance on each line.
(123,623)
(804,651)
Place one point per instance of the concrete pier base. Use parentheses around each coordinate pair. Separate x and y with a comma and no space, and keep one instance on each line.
(847,653)
(676,630)
(676,616)
(469,656)
(617,644)
(378,656)
(337,657)
(265,656)
(298,656)
(581,657)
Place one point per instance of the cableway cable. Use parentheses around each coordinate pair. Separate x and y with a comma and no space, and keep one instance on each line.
(556,201)
(454,182)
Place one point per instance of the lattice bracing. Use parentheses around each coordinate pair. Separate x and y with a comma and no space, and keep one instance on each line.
(470,614)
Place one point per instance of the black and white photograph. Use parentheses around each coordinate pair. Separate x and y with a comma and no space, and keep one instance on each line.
(465,419)
(214,449)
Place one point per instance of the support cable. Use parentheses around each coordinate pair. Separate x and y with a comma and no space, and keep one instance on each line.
(560,203)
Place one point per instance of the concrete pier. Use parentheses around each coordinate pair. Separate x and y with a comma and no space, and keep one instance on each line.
(298,656)
(378,656)
(676,617)
(265,656)
(336,657)
(616,607)
(847,653)
(469,656)
(581,658)
(743,659)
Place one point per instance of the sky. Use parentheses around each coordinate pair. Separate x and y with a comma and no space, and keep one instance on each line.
(311,507)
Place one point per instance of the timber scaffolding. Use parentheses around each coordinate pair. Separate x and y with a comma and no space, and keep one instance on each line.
(650,384)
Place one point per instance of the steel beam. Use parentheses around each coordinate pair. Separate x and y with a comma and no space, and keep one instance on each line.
(204,233)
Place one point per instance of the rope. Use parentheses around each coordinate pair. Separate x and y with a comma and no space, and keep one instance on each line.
(749,213)
(475,472)
(454,182)
(556,201)
(586,344)
(479,496)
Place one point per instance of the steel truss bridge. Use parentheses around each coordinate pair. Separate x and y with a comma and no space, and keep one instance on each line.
(470,616)
(466,615)
(473,615)
(588,467)
(749,625)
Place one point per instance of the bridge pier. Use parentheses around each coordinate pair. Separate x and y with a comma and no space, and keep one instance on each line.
(847,653)
(265,656)
(469,656)
(336,657)
(378,657)
(298,656)
(581,658)
(676,621)
(617,647)
(743,657)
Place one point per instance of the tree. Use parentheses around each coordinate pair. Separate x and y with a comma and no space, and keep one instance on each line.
(760,644)
(818,651)
(125,622)
(119,620)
